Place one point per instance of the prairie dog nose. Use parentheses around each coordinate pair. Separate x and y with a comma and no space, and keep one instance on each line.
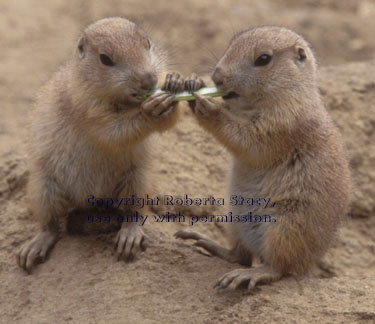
(218,76)
(148,81)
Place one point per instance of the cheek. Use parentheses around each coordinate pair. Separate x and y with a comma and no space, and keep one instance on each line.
(245,76)
(118,74)
(270,78)
(101,78)
(158,60)
(88,71)
(254,80)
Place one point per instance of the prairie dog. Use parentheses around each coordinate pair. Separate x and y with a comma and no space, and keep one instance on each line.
(90,134)
(284,147)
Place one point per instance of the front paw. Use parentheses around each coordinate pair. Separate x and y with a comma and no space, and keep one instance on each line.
(36,249)
(129,242)
(194,83)
(158,106)
(206,107)
(174,82)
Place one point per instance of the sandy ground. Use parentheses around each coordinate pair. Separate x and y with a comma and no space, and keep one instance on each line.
(171,282)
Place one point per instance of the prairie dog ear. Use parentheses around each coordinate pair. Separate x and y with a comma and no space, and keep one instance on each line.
(300,54)
(81,45)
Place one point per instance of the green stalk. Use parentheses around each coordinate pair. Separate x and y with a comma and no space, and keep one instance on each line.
(186,95)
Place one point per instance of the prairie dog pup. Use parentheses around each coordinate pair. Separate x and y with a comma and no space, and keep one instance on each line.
(90,134)
(284,146)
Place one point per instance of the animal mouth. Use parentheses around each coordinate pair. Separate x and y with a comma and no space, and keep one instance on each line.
(132,98)
(141,93)
(231,95)
(130,101)
(137,95)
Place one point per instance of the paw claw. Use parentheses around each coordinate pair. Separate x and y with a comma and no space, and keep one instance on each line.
(174,82)
(236,278)
(194,83)
(158,106)
(36,249)
(130,243)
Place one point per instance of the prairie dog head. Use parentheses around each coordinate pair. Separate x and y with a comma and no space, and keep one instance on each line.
(265,62)
(116,60)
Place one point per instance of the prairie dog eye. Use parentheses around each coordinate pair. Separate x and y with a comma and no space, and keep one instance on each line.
(106,60)
(262,60)
(148,44)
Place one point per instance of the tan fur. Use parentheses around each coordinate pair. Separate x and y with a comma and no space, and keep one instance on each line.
(284,146)
(89,135)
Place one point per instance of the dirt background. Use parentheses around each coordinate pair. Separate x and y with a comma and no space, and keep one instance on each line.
(171,282)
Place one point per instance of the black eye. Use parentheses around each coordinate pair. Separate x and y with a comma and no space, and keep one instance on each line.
(148,44)
(80,48)
(262,60)
(106,60)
